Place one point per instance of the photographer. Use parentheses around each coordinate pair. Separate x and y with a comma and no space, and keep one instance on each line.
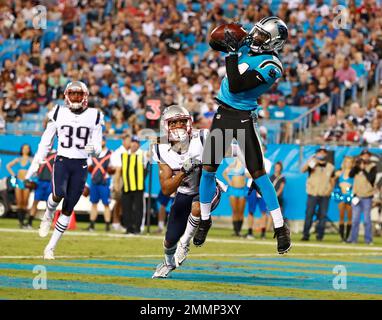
(364,173)
(319,186)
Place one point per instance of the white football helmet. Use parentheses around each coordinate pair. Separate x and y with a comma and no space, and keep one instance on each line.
(176,131)
(269,34)
(79,101)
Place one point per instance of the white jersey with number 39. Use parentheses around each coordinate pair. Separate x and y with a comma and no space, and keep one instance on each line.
(74,132)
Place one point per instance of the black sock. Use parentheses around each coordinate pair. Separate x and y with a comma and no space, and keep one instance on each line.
(21,216)
(240,224)
(30,220)
(236,227)
(250,231)
(263,232)
(342,231)
(92,224)
(107,226)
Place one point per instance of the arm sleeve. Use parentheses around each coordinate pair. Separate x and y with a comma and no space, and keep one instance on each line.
(97,134)
(239,77)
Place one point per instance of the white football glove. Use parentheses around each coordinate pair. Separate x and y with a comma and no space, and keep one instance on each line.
(190,165)
(32,170)
(89,149)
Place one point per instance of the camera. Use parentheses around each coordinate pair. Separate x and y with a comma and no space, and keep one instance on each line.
(359,161)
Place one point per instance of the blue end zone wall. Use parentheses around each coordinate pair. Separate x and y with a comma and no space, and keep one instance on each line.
(294,194)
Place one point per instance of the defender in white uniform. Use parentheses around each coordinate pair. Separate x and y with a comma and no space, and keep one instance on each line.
(79,133)
(180,169)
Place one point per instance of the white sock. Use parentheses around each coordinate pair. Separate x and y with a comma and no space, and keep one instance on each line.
(51,206)
(192,226)
(61,225)
(277,217)
(205,210)
(169,255)
(161,225)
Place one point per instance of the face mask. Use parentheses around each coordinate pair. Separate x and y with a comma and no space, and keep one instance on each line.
(179,134)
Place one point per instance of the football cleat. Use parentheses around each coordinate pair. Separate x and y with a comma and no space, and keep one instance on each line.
(283,239)
(163,270)
(181,253)
(45,226)
(201,233)
(48,254)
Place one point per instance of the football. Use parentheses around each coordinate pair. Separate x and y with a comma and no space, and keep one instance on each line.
(217,35)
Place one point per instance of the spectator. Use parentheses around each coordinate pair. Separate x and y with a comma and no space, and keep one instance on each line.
(373,134)
(310,98)
(360,121)
(364,173)
(119,125)
(351,132)
(2,119)
(347,77)
(11,110)
(335,131)
(319,186)
(28,104)
(22,86)
(293,99)
(130,97)
(280,111)
(371,111)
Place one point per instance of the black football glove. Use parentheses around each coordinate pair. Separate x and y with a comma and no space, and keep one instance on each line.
(231,43)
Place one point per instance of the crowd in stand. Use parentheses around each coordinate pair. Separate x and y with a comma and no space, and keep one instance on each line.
(362,125)
(128,50)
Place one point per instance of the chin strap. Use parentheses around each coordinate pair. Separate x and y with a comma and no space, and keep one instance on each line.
(180,147)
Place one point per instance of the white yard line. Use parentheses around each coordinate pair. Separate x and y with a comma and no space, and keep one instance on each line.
(202,255)
(217,240)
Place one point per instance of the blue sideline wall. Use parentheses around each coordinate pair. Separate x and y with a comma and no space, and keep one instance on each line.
(294,194)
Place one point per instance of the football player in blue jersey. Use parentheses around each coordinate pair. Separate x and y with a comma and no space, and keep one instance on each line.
(252,67)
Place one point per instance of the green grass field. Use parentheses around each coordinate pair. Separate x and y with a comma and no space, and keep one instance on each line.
(113,266)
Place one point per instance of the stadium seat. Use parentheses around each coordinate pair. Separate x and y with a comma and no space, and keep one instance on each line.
(196,7)
(24,46)
(181,7)
(201,48)
(53,24)
(285,87)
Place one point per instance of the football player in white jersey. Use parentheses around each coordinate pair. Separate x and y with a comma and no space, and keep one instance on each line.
(179,161)
(79,133)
